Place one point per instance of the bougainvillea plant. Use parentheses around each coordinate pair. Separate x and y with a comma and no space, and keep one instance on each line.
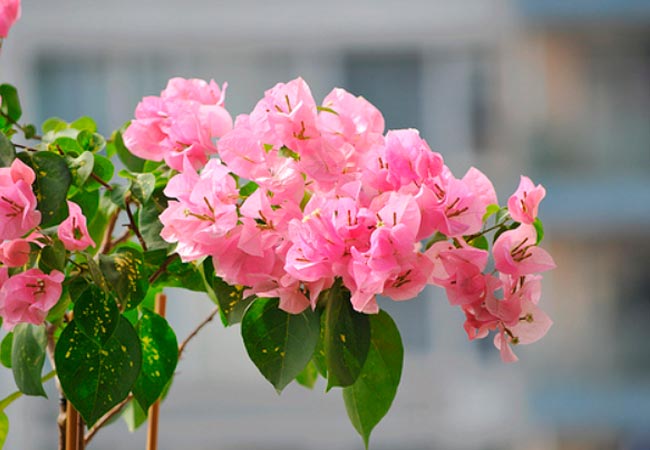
(292,219)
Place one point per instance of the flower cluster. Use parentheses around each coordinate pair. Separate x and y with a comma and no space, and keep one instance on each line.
(302,195)
(27,296)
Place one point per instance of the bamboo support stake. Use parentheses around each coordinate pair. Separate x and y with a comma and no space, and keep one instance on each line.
(154,410)
(72,428)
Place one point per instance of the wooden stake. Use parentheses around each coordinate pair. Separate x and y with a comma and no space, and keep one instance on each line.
(72,428)
(154,410)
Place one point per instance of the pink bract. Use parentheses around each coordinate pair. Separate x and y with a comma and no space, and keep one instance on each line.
(73,231)
(9,14)
(28,296)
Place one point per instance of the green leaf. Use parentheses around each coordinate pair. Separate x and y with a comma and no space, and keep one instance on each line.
(124,271)
(308,376)
(5,350)
(96,378)
(96,314)
(346,339)
(143,186)
(159,358)
(10,105)
(247,189)
(29,130)
(61,307)
(134,416)
(91,141)
(88,201)
(66,145)
(28,357)
(149,222)
(231,301)
(490,211)
(96,274)
(480,242)
(502,215)
(319,359)
(54,124)
(53,257)
(103,169)
(280,344)
(52,183)
(119,194)
(132,162)
(84,123)
(326,109)
(368,400)
(7,151)
(4,428)
(81,167)
(288,153)
(539,228)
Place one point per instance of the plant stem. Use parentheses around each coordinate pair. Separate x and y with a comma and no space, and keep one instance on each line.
(134,227)
(108,235)
(154,411)
(106,418)
(162,268)
(100,181)
(196,330)
(25,147)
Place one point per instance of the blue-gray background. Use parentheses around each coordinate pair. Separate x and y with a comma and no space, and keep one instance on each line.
(556,89)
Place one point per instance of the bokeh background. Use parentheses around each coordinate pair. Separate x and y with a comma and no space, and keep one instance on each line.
(556,89)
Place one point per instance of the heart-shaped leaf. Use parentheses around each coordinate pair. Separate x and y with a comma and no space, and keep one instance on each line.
(280,344)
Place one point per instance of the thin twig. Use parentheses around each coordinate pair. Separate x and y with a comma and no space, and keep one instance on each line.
(134,227)
(198,328)
(100,181)
(106,418)
(26,147)
(108,235)
(120,240)
(162,268)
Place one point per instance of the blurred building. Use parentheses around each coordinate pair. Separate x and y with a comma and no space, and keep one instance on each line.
(559,90)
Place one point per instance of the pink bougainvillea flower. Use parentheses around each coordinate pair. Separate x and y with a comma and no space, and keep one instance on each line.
(14,253)
(524,203)
(409,158)
(532,326)
(347,118)
(73,231)
(204,213)
(179,124)
(9,14)
(455,207)
(515,252)
(28,296)
(286,116)
(17,201)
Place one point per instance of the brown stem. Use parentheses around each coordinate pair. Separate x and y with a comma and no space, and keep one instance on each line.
(100,181)
(108,234)
(106,418)
(196,330)
(25,147)
(162,268)
(120,240)
(134,227)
